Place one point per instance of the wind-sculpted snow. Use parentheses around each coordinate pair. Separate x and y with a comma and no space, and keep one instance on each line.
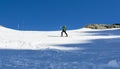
(83,49)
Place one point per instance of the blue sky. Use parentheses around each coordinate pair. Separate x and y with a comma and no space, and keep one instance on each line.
(51,14)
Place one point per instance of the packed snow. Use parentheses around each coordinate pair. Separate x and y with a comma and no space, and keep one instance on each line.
(37,40)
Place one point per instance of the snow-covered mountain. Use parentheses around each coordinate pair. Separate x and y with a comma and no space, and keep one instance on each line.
(36,40)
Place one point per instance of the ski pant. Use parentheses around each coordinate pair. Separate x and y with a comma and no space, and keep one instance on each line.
(65,33)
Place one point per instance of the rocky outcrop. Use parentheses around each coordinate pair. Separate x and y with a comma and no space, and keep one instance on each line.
(102,26)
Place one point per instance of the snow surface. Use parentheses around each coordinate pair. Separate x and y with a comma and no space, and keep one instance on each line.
(37,40)
(83,49)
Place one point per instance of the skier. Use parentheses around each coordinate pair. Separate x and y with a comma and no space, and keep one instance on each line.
(64,31)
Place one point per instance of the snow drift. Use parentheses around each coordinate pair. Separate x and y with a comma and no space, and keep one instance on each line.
(37,40)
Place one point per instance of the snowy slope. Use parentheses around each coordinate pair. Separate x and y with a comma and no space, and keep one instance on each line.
(36,40)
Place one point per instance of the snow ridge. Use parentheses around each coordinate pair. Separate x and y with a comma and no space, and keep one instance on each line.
(37,40)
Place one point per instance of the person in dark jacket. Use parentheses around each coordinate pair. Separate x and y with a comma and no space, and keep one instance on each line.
(64,31)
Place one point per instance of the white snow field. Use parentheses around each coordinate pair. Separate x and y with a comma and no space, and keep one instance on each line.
(37,40)
(83,49)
